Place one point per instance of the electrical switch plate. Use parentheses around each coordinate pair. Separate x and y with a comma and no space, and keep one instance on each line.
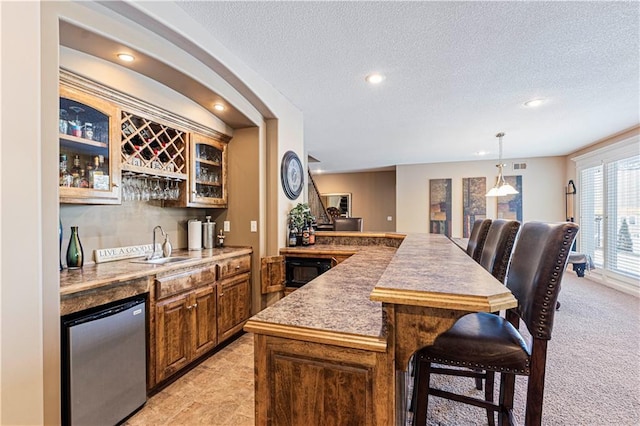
(227,226)
(389,218)
(254,226)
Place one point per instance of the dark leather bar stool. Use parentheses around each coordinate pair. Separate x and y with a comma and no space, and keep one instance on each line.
(477,238)
(496,254)
(498,245)
(491,343)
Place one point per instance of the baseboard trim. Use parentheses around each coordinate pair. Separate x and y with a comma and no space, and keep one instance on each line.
(616,284)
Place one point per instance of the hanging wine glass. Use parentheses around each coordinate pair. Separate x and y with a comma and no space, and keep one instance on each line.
(156,191)
(175,191)
(145,188)
(127,188)
(166,193)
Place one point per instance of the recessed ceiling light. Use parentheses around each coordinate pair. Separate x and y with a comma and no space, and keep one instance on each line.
(374,78)
(534,103)
(126,57)
(482,153)
(218,107)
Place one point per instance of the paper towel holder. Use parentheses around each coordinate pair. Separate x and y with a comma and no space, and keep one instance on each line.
(194,234)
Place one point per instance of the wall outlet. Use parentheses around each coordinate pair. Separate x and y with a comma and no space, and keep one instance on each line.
(254,226)
(227,226)
(389,218)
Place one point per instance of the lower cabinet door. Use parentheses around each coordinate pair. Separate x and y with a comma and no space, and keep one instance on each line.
(204,333)
(173,340)
(234,305)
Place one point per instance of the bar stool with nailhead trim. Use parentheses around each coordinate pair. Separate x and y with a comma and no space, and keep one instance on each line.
(477,238)
(489,342)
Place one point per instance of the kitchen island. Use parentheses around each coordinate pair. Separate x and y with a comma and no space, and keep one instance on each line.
(336,350)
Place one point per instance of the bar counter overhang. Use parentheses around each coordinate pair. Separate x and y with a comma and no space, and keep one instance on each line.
(336,350)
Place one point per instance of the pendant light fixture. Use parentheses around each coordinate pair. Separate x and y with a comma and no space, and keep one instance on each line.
(501,188)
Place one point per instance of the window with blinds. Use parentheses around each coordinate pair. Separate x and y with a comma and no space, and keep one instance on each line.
(610,213)
(591,214)
(623,212)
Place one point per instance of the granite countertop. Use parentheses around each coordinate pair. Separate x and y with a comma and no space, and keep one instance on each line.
(94,276)
(430,270)
(338,300)
(426,270)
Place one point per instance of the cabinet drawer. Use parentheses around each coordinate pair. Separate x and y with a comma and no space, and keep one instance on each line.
(177,283)
(233,266)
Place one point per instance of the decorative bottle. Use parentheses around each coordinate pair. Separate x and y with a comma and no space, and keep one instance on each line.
(66,179)
(312,234)
(75,254)
(305,234)
(292,237)
(221,237)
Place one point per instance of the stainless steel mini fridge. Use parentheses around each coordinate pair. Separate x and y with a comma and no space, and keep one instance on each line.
(104,364)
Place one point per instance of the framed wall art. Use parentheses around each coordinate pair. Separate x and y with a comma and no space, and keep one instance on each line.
(510,206)
(440,206)
(474,202)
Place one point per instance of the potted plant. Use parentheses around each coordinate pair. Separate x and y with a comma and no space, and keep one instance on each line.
(299,216)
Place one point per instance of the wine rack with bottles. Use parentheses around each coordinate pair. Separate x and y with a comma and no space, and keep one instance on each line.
(152,148)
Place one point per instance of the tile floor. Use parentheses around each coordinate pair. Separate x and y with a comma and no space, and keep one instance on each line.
(219,391)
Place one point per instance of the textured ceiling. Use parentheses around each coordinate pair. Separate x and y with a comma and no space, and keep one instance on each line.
(456,74)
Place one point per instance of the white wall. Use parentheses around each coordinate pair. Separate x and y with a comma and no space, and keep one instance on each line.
(543,183)
(21,217)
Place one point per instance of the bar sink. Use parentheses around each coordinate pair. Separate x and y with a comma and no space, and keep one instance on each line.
(162,260)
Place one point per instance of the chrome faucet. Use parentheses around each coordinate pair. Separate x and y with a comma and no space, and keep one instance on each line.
(166,246)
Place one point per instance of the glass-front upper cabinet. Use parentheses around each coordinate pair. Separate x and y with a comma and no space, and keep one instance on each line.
(208,172)
(89,158)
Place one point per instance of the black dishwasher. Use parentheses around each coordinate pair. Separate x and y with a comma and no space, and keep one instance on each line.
(104,369)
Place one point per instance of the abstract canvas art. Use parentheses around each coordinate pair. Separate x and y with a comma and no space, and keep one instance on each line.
(510,206)
(474,202)
(440,206)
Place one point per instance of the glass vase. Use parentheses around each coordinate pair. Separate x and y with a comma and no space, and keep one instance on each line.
(75,254)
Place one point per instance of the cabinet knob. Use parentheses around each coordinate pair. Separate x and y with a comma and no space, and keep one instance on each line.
(237,266)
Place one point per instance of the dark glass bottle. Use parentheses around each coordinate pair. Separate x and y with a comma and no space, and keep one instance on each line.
(75,254)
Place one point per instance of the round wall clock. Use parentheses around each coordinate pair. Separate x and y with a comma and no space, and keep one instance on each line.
(292,175)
